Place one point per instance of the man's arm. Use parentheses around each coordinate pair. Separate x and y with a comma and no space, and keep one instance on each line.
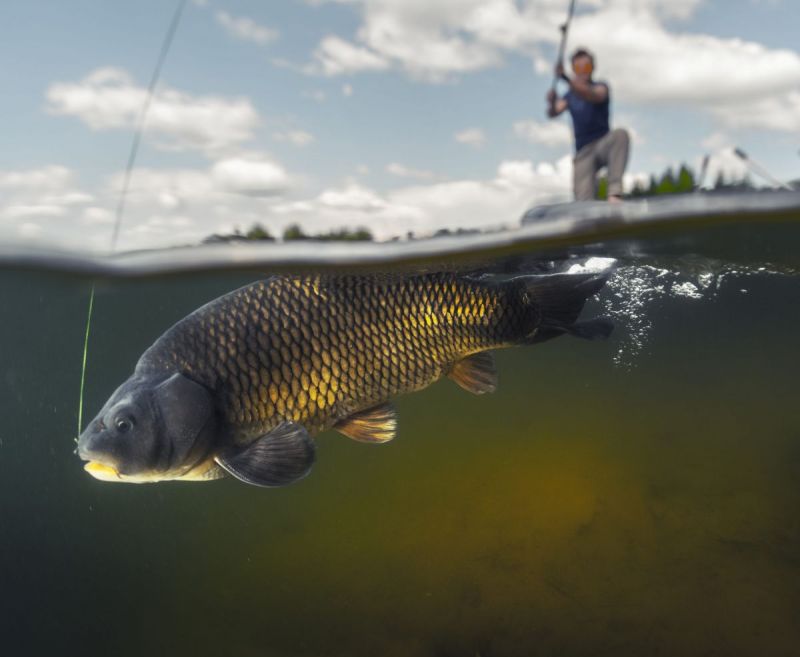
(555,105)
(593,92)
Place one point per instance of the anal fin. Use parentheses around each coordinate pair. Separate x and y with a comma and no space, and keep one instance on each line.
(279,457)
(476,373)
(375,425)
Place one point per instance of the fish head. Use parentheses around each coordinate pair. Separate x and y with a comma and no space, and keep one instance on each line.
(150,430)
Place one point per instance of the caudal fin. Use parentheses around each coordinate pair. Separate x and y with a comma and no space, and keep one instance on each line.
(559,300)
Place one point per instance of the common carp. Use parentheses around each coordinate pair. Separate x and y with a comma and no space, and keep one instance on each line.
(240,385)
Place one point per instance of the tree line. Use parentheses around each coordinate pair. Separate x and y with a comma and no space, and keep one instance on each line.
(683,182)
(259,233)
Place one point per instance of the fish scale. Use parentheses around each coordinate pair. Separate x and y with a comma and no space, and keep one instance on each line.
(314,349)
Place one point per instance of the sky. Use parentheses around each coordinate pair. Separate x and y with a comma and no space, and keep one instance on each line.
(394,115)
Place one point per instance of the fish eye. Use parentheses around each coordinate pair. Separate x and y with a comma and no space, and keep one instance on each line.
(123,424)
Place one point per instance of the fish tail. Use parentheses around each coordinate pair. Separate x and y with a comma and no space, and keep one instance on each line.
(558,300)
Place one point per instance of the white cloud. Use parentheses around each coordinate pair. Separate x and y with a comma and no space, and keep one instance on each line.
(471,137)
(246,29)
(97,216)
(46,192)
(547,133)
(717,141)
(434,40)
(335,56)
(296,137)
(108,99)
(165,188)
(50,178)
(164,206)
(252,177)
(424,208)
(249,176)
(353,197)
(780,112)
(347,90)
(69,198)
(182,206)
(21,211)
(402,171)
(679,9)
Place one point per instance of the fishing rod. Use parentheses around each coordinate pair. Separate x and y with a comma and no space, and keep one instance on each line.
(137,138)
(758,169)
(564,27)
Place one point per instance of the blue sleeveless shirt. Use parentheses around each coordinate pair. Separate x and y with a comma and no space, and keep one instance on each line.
(589,120)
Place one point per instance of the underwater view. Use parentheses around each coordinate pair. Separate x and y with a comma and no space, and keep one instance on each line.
(393,328)
(633,495)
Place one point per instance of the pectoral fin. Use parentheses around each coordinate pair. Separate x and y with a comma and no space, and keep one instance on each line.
(278,458)
(375,425)
(476,373)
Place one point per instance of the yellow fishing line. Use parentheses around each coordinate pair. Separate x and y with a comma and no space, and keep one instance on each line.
(83,364)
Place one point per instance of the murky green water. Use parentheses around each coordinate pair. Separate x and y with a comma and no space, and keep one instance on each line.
(633,497)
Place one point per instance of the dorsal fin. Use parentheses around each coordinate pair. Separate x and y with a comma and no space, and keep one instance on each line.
(375,425)
(476,373)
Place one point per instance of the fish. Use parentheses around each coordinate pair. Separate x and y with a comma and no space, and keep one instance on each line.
(242,385)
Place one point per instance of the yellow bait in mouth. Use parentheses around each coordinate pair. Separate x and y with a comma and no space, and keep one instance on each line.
(101,471)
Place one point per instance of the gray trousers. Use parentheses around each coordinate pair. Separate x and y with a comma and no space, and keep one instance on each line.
(611,151)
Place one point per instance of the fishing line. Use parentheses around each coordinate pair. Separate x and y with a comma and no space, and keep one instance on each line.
(137,135)
(83,364)
(137,138)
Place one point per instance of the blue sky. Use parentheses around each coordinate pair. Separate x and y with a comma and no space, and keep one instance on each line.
(392,114)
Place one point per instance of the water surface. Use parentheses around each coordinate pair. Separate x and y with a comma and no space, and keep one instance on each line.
(637,496)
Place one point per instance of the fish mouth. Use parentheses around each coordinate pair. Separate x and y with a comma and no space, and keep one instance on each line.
(106,472)
(102,471)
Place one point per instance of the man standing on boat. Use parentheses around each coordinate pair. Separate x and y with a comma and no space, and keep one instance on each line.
(596,146)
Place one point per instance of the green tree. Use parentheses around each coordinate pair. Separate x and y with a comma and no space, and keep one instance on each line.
(360,235)
(345,235)
(685,182)
(294,232)
(259,233)
(667,184)
(639,189)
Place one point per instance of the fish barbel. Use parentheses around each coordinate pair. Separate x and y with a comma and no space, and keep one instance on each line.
(241,384)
